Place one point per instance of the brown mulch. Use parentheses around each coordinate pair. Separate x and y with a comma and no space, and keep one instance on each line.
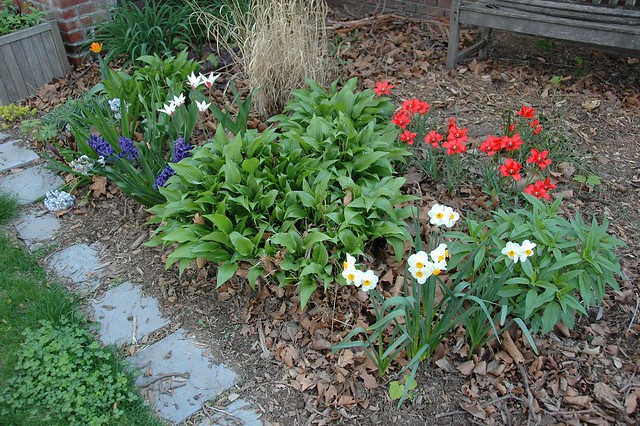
(588,375)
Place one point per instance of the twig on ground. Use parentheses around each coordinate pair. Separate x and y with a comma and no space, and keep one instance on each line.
(450,413)
(165,376)
(134,324)
(532,412)
(635,312)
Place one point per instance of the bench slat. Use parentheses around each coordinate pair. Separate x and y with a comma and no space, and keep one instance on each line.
(631,15)
(560,10)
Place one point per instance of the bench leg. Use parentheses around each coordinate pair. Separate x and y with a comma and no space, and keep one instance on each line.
(454,34)
(484,40)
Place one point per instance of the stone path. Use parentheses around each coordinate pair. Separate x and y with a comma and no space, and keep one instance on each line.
(176,374)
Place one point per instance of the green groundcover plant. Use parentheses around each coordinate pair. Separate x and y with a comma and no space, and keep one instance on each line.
(287,202)
(64,375)
(16,17)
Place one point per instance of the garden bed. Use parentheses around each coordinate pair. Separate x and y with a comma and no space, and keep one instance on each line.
(266,336)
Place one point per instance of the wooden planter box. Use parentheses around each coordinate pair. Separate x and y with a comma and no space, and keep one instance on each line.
(29,59)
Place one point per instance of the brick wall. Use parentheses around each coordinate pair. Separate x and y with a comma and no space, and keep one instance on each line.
(76,19)
(410,7)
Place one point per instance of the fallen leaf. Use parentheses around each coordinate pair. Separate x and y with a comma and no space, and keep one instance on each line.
(512,349)
(99,185)
(474,409)
(631,403)
(579,400)
(591,104)
(606,395)
(369,380)
(467,367)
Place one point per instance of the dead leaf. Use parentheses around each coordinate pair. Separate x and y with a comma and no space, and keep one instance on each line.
(474,409)
(198,219)
(369,380)
(606,395)
(579,400)
(512,349)
(591,104)
(467,367)
(631,403)
(99,185)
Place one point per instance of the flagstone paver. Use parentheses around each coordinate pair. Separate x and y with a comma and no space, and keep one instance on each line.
(238,412)
(178,378)
(13,155)
(80,264)
(30,184)
(37,228)
(124,309)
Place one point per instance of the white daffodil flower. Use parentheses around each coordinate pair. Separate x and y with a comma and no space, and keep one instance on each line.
(438,267)
(350,275)
(451,217)
(368,280)
(203,105)
(437,213)
(440,254)
(350,263)
(512,250)
(195,80)
(526,250)
(418,260)
(421,274)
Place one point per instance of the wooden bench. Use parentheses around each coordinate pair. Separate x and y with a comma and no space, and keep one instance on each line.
(612,24)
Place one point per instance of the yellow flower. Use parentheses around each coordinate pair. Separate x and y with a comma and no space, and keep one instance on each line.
(96,47)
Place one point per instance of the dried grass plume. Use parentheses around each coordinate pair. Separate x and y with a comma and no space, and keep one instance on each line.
(277,44)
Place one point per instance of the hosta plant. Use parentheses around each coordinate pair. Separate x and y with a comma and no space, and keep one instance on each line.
(290,201)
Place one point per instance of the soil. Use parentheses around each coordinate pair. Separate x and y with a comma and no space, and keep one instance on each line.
(588,375)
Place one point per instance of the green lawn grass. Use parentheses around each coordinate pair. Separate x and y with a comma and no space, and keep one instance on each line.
(27,298)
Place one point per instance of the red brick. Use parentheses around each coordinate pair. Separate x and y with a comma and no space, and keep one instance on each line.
(87,9)
(69,26)
(73,37)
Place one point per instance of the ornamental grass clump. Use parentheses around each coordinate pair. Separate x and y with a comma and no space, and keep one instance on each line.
(278,44)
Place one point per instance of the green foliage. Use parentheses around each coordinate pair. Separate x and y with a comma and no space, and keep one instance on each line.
(151,83)
(27,299)
(12,112)
(9,207)
(18,17)
(290,201)
(63,374)
(573,264)
(155,27)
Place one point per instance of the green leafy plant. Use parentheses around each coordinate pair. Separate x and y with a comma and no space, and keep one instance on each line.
(413,324)
(13,112)
(287,202)
(63,374)
(155,27)
(591,181)
(15,17)
(571,266)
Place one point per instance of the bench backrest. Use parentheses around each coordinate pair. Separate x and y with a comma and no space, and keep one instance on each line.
(625,3)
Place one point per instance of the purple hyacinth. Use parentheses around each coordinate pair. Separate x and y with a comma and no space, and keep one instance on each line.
(163,177)
(181,149)
(129,150)
(100,146)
